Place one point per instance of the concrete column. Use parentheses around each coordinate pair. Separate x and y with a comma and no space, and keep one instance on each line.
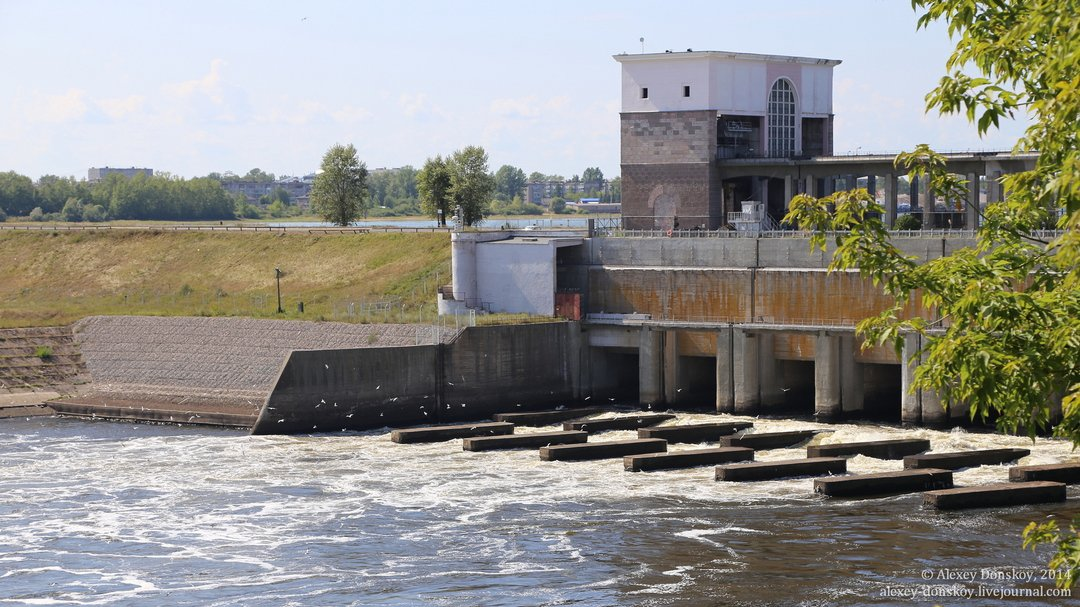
(933,410)
(725,379)
(928,209)
(890,200)
(746,372)
(770,381)
(910,403)
(650,369)
(852,394)
(789,191)
(971,209)
(871,185)
(671,367)
(827,403)
(913,192)
(830,186)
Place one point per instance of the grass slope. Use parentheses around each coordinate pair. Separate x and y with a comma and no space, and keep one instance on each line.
(58,277)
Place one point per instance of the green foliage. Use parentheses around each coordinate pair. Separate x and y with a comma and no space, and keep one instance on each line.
(394,192)
(17,196)
(37,214)
(339,195)
(1066,559)
(3,216)
(908,221)
(43,352)
(515,207)
(186,290)
(509,182)
(1006,314)
(470,183)
(433,184)
(72,211)
(592,175)
(558,205)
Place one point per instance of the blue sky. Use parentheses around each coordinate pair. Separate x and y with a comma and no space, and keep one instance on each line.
(193,87)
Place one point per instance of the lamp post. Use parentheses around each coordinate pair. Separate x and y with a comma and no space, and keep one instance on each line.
(277,276)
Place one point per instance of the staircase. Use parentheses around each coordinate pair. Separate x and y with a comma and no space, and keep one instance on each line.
(40,358)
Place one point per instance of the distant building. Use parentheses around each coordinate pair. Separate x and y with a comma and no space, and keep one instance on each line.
(95,174)
(298,188)
(541,192)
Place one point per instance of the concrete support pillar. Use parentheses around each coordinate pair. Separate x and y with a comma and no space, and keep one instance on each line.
(770,381)
(933,409)
(827,404)
(746,373)
(971,209)
(830,186)
(789,191)
(871,185)
(911,404)
(928,208)
(725,378)
(806,186)
(890,200)
(913,192)
(671,367)
(852,394)
(650,367)
(995,192)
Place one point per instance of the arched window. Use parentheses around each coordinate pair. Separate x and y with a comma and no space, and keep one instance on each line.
(782,119)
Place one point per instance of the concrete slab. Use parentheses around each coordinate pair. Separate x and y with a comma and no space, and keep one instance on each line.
(602,450)
(787,468)
(22,399)
(997,495)
(694,433)
(524,441)
(885,483)
(769,440)
(1059,473)
(880,449)
(434,434)
(629,422)
(686,459)
(545,418)
(37,410)
(965,459)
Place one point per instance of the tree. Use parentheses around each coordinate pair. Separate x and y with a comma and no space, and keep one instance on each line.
(339,194)
(433,183)
(1009,342)
(536,177)
(470,183)
(509,181)
(17,195)
(73,210)
(259,176)
(593,175)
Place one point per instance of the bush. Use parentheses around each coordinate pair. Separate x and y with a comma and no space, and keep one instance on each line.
(3,216)
(94,212)
(37,214)
(73,210)
(43,352)
(908,222)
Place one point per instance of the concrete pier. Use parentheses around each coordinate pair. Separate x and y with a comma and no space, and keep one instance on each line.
(602,450)
(827,404)
(746,371)
(650,369)
(686,459)
(629,422)
(435,434)
(788,468)
(769,440)
(725,379)
(965,459)
(545,418)
(1059,473)
(881,449)
(694,433)
(885,483)
(994,496)
(534,440)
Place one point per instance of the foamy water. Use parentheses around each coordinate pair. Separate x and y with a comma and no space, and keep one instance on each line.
(121,514)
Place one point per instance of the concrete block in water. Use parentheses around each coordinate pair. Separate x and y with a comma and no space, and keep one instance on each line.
(787,468)
(965,459)
(694,433)
(434,434)
(1060,473)
(628,422)
(524,441)
(885,483)
(768,440)
(996,495)
(545,418)
(686,459)
(880,449)
(602,450)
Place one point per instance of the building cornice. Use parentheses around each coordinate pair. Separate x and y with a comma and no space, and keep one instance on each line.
(685,55)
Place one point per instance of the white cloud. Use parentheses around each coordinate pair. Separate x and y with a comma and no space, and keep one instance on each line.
(119,108)
(65,107)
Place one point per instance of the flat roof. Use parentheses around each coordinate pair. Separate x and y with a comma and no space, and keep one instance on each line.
(691,54)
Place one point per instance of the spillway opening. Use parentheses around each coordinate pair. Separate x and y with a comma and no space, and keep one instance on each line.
(614,375)
(695,389)
(883,392)
(795,383)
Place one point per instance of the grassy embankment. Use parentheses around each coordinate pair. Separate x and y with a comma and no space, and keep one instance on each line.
(51,278)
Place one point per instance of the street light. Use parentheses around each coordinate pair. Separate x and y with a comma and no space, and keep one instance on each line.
(277,275)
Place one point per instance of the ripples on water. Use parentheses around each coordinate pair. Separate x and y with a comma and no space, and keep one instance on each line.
(121,514)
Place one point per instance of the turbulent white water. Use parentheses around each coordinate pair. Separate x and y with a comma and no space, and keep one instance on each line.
(121,514)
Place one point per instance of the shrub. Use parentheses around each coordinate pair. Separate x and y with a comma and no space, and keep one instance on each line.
(94,212)
(43,352)
(908,222)
(37,214)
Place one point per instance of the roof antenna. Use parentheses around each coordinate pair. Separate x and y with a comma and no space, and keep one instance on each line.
(642,41)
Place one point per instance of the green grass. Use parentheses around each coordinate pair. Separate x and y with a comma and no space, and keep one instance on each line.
(52,278)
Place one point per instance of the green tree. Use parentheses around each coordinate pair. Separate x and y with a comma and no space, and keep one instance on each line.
(535,177)
(433,182)
(471,184)
(73,210)
(1010,341)
(17,196)
(258,175)
(509,181)
(339,194)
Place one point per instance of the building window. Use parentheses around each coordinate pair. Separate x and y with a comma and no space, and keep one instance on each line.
(644,92)
(686,90)
(782,119)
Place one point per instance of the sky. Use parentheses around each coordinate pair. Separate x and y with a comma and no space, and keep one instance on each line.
(195,87)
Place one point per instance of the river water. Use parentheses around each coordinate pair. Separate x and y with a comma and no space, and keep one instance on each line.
(121,514)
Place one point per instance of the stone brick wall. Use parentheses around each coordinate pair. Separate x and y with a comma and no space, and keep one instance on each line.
(668,137)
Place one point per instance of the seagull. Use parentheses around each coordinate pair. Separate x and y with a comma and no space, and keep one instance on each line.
(349,415)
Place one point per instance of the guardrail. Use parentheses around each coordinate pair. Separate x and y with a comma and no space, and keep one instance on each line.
(219,228)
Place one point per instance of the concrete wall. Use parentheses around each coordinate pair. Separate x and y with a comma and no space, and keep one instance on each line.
(485,370)
(517,276)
